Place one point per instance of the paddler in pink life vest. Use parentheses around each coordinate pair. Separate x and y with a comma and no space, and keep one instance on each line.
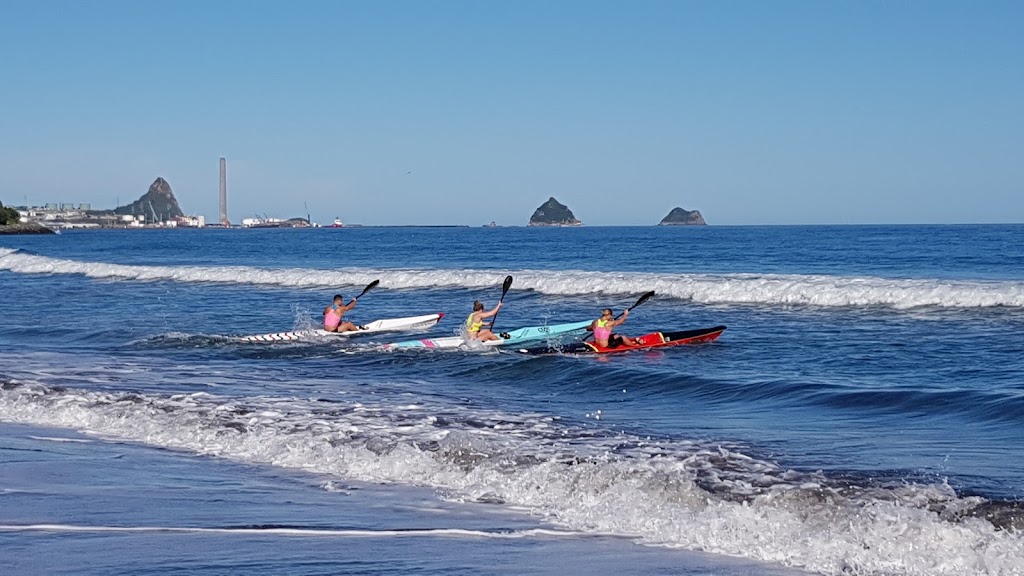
(602,329)
(334,312)
(475,322)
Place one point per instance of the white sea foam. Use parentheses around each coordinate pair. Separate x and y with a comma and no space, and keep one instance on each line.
(680,494)
(767,289)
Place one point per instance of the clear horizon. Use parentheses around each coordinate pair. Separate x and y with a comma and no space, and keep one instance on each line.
(460,113)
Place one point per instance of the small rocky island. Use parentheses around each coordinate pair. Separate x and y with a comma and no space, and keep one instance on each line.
(680,217)
(553,213)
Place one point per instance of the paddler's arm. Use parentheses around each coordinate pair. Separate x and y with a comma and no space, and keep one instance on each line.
(349,306)
(491,313)
(616,322)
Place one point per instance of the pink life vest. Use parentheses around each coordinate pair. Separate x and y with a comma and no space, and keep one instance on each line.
(332,318)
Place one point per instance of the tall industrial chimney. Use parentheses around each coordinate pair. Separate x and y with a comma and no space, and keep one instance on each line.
(224,193)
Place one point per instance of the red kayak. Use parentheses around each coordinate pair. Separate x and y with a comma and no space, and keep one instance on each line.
(645,342)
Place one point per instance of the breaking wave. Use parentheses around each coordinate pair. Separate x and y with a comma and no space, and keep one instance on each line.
(764,289)
(687,494)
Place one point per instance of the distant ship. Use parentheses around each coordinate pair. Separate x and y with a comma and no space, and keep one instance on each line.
(491,225)
(264,222)
(338,223)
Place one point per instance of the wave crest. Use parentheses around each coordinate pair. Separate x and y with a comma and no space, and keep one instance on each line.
(754,289)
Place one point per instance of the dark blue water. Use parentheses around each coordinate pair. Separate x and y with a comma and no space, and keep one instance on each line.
(863,413)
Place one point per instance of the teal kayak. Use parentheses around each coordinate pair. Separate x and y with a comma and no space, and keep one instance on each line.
(510,338)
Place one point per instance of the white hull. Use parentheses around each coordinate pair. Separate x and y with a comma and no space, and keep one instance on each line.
(408,324)
(518,336)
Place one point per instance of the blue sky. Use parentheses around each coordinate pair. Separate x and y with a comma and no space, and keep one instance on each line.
(417,112)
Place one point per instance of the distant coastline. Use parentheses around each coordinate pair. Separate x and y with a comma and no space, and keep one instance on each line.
(31,228)
(158,209)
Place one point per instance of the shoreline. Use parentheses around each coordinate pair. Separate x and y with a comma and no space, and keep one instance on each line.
(23,228)
(266,515)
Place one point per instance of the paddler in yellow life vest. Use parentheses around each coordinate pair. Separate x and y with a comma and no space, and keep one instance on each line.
(602,329)
(475,322)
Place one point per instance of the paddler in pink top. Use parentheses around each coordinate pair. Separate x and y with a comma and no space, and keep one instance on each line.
(334,312)
(602,329)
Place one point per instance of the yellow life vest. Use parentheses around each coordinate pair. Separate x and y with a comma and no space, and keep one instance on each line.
(473,326)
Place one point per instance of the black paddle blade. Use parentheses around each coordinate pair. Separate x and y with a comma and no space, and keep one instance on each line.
(504,290)
(369,287)
(643,299)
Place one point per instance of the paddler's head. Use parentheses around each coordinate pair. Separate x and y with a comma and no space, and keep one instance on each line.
(338,299)
(478,306)
(606,313)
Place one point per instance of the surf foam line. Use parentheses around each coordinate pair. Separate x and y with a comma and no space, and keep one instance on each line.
(762,289)
(288,531)
(667,493)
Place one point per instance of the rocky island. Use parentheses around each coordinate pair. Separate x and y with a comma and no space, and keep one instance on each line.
(680,217)
(158,203)
(157,208)
(552,213)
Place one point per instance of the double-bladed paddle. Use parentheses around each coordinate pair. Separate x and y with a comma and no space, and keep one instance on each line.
(647,296)
(504,290)
(369,287)
(373,285)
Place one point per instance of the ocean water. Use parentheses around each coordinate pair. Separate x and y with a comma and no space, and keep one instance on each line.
(862,414)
